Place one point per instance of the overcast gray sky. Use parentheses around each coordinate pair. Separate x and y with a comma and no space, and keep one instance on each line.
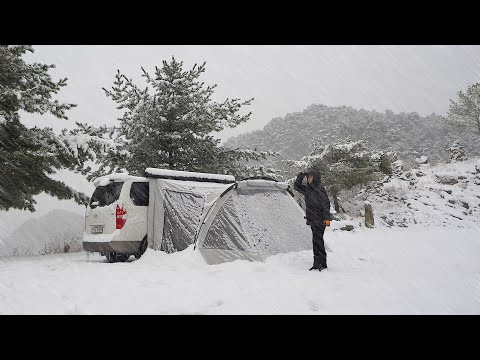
(282,78)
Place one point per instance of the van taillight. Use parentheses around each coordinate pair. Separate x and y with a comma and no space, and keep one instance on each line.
(121,216)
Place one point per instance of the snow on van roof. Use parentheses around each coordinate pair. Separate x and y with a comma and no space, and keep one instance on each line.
(195,176)
(105,180)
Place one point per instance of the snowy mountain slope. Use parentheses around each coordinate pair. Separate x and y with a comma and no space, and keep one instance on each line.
(35,233)
(371,271)
(408,134)
(446,195)
(12,219)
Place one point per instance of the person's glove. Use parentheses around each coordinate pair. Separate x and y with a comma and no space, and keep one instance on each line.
(327,222)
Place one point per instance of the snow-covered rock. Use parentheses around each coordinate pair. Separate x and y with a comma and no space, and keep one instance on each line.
(421,160)
(445,195)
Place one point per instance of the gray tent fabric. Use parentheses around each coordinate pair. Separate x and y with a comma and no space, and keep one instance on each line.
(161,210)
(246,220)
(225,232)
(182,219)
(268,220)
(226,239)
(272,221)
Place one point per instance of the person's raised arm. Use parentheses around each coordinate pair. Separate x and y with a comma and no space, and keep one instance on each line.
(298,183)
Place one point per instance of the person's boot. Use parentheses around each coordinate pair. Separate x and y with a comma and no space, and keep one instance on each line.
(319,268)
(322,267)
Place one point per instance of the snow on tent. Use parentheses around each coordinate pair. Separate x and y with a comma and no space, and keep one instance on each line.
(225,219)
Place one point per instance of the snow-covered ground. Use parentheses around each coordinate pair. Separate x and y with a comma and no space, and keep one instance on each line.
(422,257)
(441,196)
(371,271)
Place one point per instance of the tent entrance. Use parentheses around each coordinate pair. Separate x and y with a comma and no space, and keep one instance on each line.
(182,213)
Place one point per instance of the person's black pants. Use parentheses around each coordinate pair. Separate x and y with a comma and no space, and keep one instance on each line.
(319,254)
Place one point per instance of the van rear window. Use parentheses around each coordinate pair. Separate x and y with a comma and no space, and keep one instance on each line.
(106,195)
(139,193)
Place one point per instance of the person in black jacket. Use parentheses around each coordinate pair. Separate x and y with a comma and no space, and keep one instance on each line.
(317,212)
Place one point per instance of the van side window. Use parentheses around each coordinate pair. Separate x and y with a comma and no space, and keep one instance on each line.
(139,193)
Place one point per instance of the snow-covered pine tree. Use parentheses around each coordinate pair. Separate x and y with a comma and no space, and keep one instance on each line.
(259,171)
(344,164)
(29,155)
(88,142)
(170,124)
(456,152)
(385,161)
(466,112)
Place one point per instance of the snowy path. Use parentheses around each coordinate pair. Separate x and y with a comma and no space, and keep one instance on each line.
(381,271)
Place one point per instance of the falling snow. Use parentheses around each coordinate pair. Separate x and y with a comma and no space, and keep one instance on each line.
(421,256)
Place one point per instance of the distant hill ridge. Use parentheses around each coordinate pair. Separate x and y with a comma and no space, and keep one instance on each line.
(408,134)
(34,234)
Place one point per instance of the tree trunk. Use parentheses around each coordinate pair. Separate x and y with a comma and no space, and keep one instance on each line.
(335,200)
(170,160)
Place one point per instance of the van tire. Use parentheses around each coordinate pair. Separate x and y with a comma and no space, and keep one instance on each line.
(111,257)
(122,257)
(143,248)
(116,257)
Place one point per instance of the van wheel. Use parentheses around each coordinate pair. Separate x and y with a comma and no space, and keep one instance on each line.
(115,257)
(122,257)
(143,248)
(111,257)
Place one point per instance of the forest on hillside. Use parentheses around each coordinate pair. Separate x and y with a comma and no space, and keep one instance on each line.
(408,134)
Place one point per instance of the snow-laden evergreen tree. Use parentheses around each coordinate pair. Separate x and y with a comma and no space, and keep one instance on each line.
(466,112)
(29,155)
(170,124)
(344,164)
(456,152)
(259,172)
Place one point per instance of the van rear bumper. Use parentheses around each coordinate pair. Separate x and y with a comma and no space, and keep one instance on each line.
(123,247)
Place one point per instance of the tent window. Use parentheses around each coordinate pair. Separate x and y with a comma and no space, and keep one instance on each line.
(182,219)
(225,231)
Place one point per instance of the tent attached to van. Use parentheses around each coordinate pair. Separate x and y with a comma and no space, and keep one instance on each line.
(225,219)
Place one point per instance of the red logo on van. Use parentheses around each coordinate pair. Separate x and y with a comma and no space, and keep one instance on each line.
(121,216)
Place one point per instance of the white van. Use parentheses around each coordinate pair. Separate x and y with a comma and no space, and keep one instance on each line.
(116,217)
